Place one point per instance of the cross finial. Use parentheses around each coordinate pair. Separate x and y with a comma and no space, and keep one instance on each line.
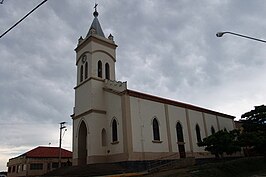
(95,7)
(95,13)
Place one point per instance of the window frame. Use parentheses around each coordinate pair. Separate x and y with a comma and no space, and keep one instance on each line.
(107,71)
(179,133)
(156,130)
(81,74)
(36,166)
(100,69)
(114,131)
(86,70)
(104,138)
(198,134)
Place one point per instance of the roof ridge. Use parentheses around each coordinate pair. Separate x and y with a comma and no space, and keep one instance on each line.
(46,151)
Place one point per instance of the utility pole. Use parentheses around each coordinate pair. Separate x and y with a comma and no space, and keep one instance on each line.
(62,126)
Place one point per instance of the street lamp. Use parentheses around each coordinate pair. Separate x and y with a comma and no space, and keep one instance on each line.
(220,34)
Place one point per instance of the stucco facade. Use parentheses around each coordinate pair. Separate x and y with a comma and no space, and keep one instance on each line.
(114,124)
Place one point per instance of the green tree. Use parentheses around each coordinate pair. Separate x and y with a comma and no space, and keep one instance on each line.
(221,142)
(255,119)
(254,132)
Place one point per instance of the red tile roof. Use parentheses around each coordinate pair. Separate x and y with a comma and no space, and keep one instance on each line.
(48,152)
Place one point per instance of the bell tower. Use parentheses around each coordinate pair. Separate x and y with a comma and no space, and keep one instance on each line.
(95,62)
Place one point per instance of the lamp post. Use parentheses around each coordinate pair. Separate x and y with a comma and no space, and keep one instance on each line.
(220,34)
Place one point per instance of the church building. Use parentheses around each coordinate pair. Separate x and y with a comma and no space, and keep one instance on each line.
(112,123)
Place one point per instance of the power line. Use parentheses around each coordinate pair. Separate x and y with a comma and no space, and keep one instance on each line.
(22,17)
(24,124)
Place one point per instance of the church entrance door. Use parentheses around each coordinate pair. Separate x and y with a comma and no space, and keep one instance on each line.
(82,144)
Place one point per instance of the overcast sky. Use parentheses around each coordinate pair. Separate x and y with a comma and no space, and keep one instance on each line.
(165,48)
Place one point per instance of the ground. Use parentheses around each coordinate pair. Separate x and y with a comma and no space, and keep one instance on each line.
(240,167)
(244,167)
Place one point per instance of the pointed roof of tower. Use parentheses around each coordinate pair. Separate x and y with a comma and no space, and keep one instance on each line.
(95,26)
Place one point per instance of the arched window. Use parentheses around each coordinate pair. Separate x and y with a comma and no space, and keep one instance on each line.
(100,72)
(107,71)
(198,133)
(103,137)
(179,132)
(212,130)
(86,70)
(81,73)
(114,131)
(156,131)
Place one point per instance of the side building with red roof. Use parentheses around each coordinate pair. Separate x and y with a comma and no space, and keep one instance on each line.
(38,161)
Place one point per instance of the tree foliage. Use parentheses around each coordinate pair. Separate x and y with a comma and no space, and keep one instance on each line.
(252,137)
(254,133)
(221,142)
(255,119)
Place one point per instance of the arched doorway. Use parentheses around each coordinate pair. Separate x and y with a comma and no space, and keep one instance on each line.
(180,140)
(82,144)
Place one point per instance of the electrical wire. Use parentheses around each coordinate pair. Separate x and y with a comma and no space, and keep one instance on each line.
(22,18)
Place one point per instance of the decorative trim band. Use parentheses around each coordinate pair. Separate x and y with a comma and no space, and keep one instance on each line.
(88,112)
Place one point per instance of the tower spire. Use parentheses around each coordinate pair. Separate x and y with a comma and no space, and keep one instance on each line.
(95,27)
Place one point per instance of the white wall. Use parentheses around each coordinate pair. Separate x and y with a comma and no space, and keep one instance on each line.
(211,121)
(195,118)
(142,114)
(225,123)
(82,99)
(114,111)
(95,123)
(177,114)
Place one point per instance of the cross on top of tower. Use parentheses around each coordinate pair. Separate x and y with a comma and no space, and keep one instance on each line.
(95,6)
(95,13)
